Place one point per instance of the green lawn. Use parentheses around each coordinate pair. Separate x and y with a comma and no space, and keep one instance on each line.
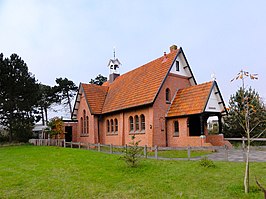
(51,172)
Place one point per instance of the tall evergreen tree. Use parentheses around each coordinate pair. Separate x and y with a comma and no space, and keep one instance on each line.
(18,97)
(47,97)
(234,122)
(66,90)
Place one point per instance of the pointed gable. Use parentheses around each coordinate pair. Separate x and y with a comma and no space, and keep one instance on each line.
(215,101)
(181,67)
(140,86)
(197,99)
(94,96)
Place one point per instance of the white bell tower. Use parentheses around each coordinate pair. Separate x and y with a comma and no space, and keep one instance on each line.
(113,65)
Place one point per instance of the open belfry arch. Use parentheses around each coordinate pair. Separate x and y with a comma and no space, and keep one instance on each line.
(159,103)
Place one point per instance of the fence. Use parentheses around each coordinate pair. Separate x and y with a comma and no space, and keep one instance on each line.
(222,153)
(243,139)
(47,142)
(167,153)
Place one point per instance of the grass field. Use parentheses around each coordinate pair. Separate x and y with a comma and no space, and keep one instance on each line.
(51,172)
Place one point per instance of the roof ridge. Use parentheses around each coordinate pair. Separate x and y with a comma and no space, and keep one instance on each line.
(144,83)
(154,60)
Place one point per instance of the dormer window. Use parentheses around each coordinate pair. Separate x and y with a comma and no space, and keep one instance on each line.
(177,65)
(167,95)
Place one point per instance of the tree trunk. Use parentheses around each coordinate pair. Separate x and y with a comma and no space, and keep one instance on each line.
(10,136)
(246,178)
(46,115)
(69,104)
(42,116)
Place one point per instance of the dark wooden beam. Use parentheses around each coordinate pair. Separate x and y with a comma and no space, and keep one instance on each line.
(220,123)
(201,125)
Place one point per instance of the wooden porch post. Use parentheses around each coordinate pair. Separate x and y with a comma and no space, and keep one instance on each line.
(220,123)
(201,125)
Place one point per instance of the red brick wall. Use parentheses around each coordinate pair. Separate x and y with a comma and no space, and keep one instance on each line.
(183,140)
(218,140)
(93,126)
(124,135)
(173,82)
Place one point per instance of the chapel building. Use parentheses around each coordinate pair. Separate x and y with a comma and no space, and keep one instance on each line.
(159,103)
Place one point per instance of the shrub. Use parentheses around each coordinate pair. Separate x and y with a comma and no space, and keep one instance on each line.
(132,153)
(205,162)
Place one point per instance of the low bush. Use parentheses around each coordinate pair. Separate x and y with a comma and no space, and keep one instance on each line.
(205,162)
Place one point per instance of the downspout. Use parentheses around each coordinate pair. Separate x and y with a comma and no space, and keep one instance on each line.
(98,124)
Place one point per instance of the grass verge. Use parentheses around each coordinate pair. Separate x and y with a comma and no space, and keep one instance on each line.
(52,172)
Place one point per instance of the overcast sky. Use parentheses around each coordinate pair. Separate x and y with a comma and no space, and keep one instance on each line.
(75,39)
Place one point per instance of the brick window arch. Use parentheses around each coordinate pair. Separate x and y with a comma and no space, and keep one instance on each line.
(142,122)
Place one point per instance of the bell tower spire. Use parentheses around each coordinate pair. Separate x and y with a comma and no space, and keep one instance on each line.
(113,65)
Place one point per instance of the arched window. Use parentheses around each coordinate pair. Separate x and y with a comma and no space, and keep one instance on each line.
(87,121)
(131,124)
(167,95)
(176,127)
(84,123)
(112,125)
(81,125)
(136,123)
(116,125)
(108,126)
(142,121)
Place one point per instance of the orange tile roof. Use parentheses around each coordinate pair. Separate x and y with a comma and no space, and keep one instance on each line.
(107,83)
(95,96)
(191,100)
(140,86)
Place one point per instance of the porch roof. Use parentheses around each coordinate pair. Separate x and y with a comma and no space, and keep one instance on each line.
(191,100)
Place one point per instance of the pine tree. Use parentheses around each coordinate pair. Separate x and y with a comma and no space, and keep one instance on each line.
(18,97)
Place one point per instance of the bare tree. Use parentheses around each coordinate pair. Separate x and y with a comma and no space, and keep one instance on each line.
(248,110)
